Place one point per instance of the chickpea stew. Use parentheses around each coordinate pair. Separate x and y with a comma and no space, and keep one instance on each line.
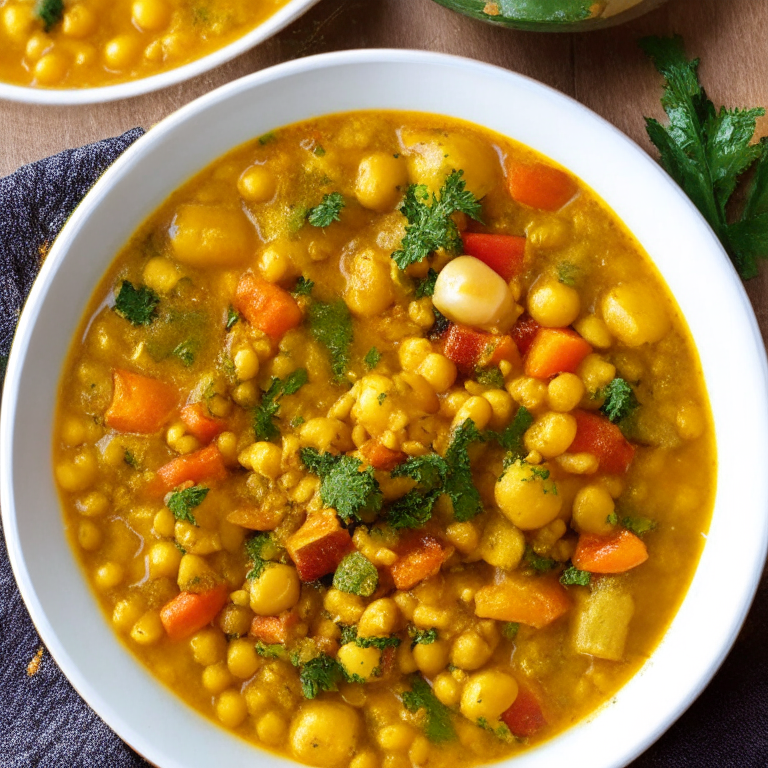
(91,43)
(384,444)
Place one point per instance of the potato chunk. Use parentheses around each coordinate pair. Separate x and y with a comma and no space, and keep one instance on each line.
(211,236)
(601,622)
(635,314)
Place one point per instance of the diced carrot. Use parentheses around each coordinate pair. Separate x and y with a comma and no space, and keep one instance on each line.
(620,551)
(200,423)
(190,611)
(139,403)
(266,306)
(504,254)
(381,457)
(274,629)
(421,556)
(262,518)
(468,348)
(540,186)
(524,331)
(524,718)
(504,349)
(555,350)
(533,600)
(598,436)
(205,465)
(319,545)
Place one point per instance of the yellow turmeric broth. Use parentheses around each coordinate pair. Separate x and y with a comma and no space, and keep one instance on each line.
(383,444)
(92,43)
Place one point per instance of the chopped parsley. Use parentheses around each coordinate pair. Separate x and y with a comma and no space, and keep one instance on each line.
(426,286)
(539,473)
(707,152)
(390,641)
(490,377)
(414,509)
(372,358)
(271,651)
(357,575)
(381,397)
(320,674)
(537,562)
(437,717)
(430,225)
(130,459)
(421,636)
(511,439)
(638,525)
(319,151)
(348,634)
(509,629)
(264,413)
(232,317)
(501,731)
(566,273)
(344,486)
(186,352)
(620,400)
(572,576)
(267,138)
(303,287)
(327,211)
(181,503)
(612,519)
(137,305)
(458,483)
(297,421)
(50,12)
(331,325)
(261,550)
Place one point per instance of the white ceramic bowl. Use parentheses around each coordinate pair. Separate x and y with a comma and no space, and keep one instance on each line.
(71,96)
(142,711)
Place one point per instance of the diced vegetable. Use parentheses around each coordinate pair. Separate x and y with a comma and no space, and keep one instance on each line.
(621,551)
(274,629)
(262,518)
(596,435)
(200,423)
(601,621)
(266,306)
(319,545)
(533,600)
(188,611)
(502,253)
(524,718)
(357,575)
(468,348)
(523,332)
(139,403)
(553,351)
(205,465)
(540,186)
(380,457)
(420,557)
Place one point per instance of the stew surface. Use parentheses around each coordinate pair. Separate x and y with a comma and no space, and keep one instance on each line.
(91,43)
(383,443)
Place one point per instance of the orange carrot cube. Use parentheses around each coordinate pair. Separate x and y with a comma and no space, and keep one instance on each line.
(139,403)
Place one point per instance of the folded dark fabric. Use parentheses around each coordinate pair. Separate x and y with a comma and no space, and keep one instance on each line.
(43,722)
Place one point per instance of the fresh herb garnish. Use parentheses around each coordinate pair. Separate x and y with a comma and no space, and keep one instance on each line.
(537,562)
(509,629)
(430,226)
(271,651)
(266,410)
(319,151)
(137,305)
(372,358)
(181,503)
(303,287)
(490,377)
(331,325)
(261,550)
(620,400)
(458,483)
(130,459)
(707,151)
(511,439)
(612,519)
(232,317)
(566,273)
(320,674)
(437,721)
(414,509)
(421,636)
(357,575)
(186,352)
(426,286)
(501,731)
(572,576)
(267,138)
(390,641)
(327,211)
(345,486)
(50,12)
(638,525)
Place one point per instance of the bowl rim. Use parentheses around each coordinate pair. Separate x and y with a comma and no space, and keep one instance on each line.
(666,712)
(284,16)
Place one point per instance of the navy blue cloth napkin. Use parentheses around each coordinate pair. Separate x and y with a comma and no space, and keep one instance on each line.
(45,724)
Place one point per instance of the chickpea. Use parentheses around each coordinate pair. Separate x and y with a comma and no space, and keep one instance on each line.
(564,392)
(242,659)
(369,289)
(412,352)
(635,314)
(246,364)
(325,734)
(526,498)
(592,506)
(431,658)
(78,473)
(148,629)
(230,708)
(593,330)
(595,372)
(447,689)
(551,435)
(379,618)
(488,694)
(89,536)
(51,68)
(502,544)
(343,606)
(381,180)
(164,559)
(359,661)
(470,651)
(476,408)
(395,738)
(468,291)
(323,433)
(121,52)
(257,184)
(150,15)
(209,646)
(78,22)
(553,304)
(18,21)
(272,729)
(264,458)
(217,678)
(161,274)
(275,591)
(439,371)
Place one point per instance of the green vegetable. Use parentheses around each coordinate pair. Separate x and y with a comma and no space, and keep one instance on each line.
(511,439)
(707,151)
(357,575)
(372,358)
(638,525)
(320,674)
(426,287)
(331,325)
(430,226)
(303,287)
(501,731)
(509,629)
(437,717)
(273,651)
(232,317)
(261,550)
(527,14)
(181,503)
(186,352)
(344,486)
(421,636)
(458,482)
(620,400)
(490,377)
(327,211)
(50,12)
(348,634)
(537,562)
(265,412)
(572,576)
(137,305)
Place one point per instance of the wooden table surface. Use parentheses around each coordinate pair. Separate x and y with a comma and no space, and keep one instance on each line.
(604,70)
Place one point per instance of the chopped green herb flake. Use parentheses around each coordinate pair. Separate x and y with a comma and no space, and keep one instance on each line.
(357,575)
(320,674)
(271,651)
(331,325)
(426,287)
(372,358)
(232,317)
(620,400)
(458,483)
(261,550)
(267,138)
(181,503)
(509,629)
(186,352)
(50,12)
(437,721)
(297,421)
(567,273)
(319,151)
(130,459)
(612,519)
(501,731)
(381,397)
(264,413)
(421,636)
(572,576)
(537,562)
(303,287)
(137,305)
(391,641)
(511,439)
(327,211)
(638,525)
(490,377)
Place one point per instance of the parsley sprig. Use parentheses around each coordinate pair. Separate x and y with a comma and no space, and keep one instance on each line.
(327,211)
(264,413)
(181,503)
(511,439)
(620,400)
(50,12)
(437,717)
(137,305)
(357,575)
(261,550)
(331,325)
(430,225)
(707,151)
